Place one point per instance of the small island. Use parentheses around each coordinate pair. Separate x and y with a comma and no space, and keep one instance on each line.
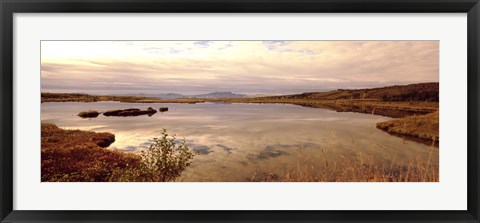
(130,112)
(89,114)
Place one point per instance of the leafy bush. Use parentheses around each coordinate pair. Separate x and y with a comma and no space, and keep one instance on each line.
(163,161)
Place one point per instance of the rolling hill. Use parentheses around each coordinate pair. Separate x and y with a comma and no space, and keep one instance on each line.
(412,92)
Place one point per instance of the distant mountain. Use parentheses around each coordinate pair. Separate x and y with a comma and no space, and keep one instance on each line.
(219,95)
(177,96)
(411,92)
(162,96)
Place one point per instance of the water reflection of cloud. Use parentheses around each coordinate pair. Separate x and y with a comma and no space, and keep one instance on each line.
(97,127)
(303,119)
(128,148)
(267,153)
(226,148)
(273,151)
(215,126)
(201,149)
(146,144)
(199,118)
(307,145)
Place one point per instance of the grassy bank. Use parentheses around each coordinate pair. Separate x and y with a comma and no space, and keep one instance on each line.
(393,109)
(422,127)
(76,97)
(75,155)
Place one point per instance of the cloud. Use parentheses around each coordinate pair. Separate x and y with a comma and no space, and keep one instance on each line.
(271,67)
(202,44)
(271,45)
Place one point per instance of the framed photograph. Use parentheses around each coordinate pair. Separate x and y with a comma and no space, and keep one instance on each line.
(239,111)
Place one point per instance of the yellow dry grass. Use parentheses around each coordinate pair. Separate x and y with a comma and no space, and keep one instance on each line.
(425,127)
(362,168)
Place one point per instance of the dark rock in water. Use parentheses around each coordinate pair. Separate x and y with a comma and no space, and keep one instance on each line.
(163,109)
(117,112)
(88,114)
(151,111)
(130,112)
(103,139)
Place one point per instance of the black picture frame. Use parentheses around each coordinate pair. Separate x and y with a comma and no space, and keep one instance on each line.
(9,7)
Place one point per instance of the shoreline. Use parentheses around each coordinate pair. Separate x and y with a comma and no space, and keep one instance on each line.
(420,128)
(399,110)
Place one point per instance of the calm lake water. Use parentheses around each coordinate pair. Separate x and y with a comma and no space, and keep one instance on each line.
(236,141)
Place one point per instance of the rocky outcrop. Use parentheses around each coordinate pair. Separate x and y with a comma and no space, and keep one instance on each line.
(130,112)
(163,109)
(103,139)
(89,114)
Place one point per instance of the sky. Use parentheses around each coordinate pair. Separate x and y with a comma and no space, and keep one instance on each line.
(245,67)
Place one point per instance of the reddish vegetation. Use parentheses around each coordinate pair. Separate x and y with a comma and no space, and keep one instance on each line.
(75,155)
(411,92)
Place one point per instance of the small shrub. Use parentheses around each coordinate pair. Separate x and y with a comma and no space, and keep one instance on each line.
(163,161)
